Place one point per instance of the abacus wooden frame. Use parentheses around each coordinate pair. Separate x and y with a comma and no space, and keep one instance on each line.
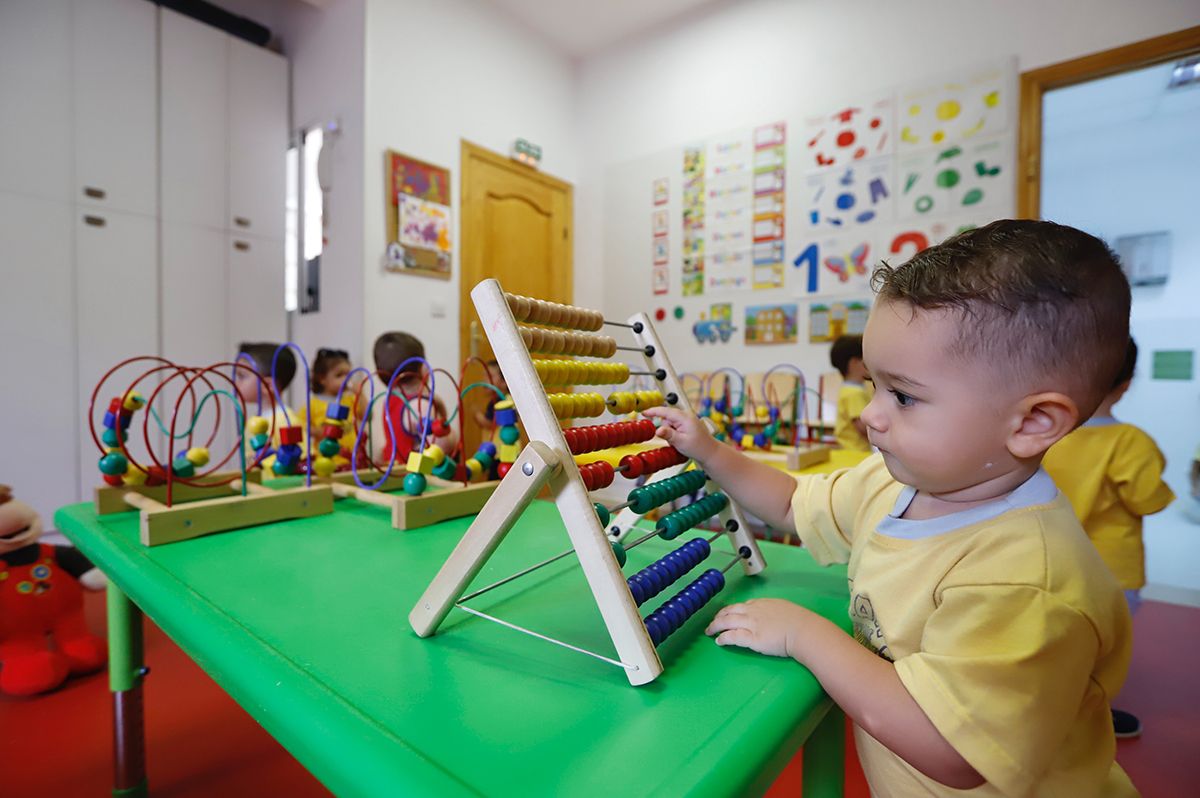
(548,459)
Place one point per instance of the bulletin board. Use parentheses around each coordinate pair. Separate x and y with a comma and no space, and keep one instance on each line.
(418,217)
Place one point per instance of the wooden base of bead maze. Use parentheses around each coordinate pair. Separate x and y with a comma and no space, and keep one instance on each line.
(792,458)
(448,499)
(110,499)
(262,505)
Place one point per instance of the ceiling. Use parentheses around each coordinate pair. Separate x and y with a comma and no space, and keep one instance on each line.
(585,27)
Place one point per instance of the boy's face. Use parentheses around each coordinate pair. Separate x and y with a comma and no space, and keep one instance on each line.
(247,386)
(939,421)
(332,381)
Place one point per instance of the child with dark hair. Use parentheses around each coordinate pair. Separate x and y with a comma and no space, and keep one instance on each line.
(846,355)
(329,370)
(410,394)
(1111,472)
(989,634)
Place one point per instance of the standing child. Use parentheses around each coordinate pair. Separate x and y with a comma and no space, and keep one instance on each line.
(846,355)
(391,351)
(989,633)
(1112,474)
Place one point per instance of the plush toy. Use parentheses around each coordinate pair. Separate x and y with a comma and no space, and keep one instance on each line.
(40,595)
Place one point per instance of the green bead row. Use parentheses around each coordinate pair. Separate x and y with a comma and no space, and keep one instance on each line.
(675,524)
(647,497)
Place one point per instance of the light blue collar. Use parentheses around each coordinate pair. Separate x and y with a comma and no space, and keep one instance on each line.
(1038,489)
(1100,421)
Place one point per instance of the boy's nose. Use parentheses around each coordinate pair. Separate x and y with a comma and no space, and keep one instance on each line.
(873,415)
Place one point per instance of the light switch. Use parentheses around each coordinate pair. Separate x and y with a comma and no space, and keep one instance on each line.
(437,310)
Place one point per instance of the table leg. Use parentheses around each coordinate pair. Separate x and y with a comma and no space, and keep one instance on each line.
(825,757)
(125,675)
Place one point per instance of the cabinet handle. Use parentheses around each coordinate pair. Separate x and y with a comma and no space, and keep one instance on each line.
(95,221)
(241,221)
(94,193)
(241,246)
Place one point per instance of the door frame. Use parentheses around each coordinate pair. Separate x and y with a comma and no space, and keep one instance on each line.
(1036,82)
(468,153)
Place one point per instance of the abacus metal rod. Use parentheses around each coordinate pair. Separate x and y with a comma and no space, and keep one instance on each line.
(644,350)
(541,636)
(517,575)
(737,558)
(637,327)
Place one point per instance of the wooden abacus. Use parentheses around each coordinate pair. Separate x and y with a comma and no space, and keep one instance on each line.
(548,459)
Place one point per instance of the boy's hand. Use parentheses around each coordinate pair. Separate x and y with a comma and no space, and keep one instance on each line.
(768,626)
(685,432)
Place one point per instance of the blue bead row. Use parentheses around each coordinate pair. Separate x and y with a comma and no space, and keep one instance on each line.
(683,605)
(655,577)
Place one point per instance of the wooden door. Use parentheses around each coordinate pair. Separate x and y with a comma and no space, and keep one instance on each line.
(516,227)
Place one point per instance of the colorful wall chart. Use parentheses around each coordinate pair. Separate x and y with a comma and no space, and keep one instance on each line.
(715,326)
(771,324)
(849,134)
(728,226)
(957,108)
(770,183)
(418,217)
(693,220)
(829,321)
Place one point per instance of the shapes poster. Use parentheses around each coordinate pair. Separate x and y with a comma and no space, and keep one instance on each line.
(906,240)
(956,109)
(828,321)
(693,220)
(956,179)
(771,324)
(850,134)
(716,326)
(729,182)
(768,208)
(858,194)
(838,264)
(418,217)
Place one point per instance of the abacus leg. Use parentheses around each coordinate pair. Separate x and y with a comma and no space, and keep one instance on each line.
(125,675)
(824,757)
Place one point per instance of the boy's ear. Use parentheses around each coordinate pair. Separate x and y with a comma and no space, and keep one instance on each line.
(1042,420)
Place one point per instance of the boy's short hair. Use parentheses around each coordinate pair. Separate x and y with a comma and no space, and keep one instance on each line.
(263,353)
(1048,300)
(845,349)
(1127,366)
(393,348)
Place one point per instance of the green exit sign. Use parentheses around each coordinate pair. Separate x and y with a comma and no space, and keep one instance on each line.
(1173,365)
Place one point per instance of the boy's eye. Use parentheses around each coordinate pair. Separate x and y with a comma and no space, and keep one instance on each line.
(902,399)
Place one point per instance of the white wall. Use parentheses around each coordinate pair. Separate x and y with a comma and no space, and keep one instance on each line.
(698,79)
(1119,158)
(438,71)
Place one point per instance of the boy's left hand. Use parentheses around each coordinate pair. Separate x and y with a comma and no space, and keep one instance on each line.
(768,626)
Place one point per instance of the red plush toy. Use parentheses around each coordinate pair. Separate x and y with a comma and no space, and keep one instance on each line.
(40,595)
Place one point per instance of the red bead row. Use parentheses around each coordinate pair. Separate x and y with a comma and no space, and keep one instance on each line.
(581,440)
(643,463)
(597,475)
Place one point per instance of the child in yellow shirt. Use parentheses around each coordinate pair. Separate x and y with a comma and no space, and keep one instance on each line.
(259,394)
(1112,474)
(989,633)
(329,370)
(846,355)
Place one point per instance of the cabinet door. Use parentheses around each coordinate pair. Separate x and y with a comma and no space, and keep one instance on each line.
(256,290)
(194,289)
(193,113)
(116,105)
(117,309)
(37,328)
(35,98)
(258,138)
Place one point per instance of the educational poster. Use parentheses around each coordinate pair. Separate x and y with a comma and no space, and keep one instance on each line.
(957,108)
(956,179)
(769,190)
(715,325)
(658,223)
(828,321)
(418,217)
(660,190)
(660,263)
(906,240)
(838,264)
(858,194)
(728,227)
(693,220)
(853,133)
(771,324)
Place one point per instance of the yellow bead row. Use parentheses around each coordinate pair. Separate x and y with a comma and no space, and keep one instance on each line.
(622,402)
(552,314)
(580,372)
(576,405)
(558,342)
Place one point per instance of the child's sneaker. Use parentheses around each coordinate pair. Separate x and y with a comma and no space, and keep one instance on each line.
(1126,725)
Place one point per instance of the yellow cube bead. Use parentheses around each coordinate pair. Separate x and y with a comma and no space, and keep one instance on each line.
(508,452)
(197,456)
(747,441)
(323,466)
(257,425)
(134,401)
(419,463)
(134,475)
(474,469)
(435,453)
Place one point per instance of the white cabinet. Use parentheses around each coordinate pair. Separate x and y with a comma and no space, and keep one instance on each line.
(195,323)
(37,313)
(193,116)
(35,98)
(258,136)
(115,90)
(255,290)
(116,314)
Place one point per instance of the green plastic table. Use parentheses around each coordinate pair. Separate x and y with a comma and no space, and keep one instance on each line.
(304,623)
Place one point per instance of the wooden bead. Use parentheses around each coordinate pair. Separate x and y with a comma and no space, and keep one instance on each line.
(113,464)
(414,484)
(197,456)
(113,480)
(474,469)
(329,447)
(257,425)
(509,452)
(526,337)
(134,475)
(290,435)
(419,463)
(323,466)
(503,469)
(183,467)
(337,412)
(134,401)
(332,432)
(435,454)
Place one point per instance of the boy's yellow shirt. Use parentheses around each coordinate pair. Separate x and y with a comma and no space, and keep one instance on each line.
(1003,623)
(853,398)
(320,407)
(1112,475)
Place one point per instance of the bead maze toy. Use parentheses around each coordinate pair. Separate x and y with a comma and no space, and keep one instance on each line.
(179,499)
(509,321)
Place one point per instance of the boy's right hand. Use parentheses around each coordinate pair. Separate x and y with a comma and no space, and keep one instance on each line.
(685,432)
